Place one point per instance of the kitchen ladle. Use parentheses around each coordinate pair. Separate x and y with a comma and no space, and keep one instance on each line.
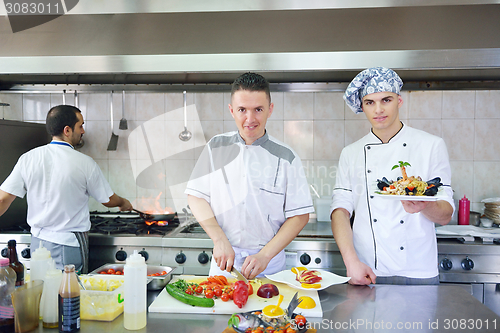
(185,135)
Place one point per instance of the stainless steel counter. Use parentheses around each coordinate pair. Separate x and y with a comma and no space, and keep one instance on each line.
(349,308)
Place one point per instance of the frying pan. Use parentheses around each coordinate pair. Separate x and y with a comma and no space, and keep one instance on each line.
(156,217)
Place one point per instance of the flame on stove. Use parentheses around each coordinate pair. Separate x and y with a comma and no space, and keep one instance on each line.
(159,223)
(152,205)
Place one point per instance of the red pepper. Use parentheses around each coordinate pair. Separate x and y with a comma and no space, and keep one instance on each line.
(240,295)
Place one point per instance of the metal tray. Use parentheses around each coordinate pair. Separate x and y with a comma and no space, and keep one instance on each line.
(154,282)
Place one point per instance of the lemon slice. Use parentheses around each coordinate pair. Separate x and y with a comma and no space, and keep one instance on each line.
(307,302)
(297,270)
(272,311)
(311,285)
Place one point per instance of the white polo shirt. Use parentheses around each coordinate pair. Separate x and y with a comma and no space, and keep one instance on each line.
(252,189)
(386,238)
(58,181)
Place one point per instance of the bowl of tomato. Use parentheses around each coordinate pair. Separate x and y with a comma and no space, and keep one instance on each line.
(158,276)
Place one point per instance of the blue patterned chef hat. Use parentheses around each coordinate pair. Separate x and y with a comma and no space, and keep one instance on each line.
(369,81)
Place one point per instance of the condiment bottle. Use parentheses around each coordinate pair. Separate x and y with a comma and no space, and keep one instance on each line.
(14,262)
(463,211)
(134,311)
(48,303)
(7,286)
(69,301)
(39,263)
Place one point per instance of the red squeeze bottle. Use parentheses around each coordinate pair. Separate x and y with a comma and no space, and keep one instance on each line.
(463,211)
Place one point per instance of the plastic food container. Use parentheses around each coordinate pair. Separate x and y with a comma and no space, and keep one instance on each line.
(103,299)
(154,282)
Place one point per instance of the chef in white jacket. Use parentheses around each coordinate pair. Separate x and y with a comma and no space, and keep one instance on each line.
(248,190)
(390,241)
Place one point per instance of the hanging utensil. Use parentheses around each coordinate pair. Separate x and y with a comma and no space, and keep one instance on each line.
(64,97)
(185,135)
(123,122)
(113,142)
(81,143)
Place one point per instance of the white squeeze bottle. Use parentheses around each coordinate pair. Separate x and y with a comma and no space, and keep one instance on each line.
(135,273)
(39,263)
(50,296)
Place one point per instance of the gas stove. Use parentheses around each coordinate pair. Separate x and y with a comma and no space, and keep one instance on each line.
(108,223)
(180,243)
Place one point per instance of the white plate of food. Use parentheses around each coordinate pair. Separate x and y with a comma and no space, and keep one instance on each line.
(440,195)
(288,277)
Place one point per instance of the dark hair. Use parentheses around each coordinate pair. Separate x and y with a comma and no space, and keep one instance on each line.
(252,82)
(59,117)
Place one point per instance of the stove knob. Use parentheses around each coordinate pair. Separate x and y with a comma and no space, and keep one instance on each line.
(467,264)
(180,258)
(5,252)
(446,264)
(317,260)
(26,253)
(203,258)
(305,259)
(145,254)
(121,255)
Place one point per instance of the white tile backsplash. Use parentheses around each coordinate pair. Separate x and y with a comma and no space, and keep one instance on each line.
(316,125)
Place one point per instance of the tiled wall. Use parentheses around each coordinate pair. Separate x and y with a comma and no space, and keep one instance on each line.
(317,125)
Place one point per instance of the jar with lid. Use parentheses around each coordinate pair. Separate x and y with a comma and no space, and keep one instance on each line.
(69,301)
(7,286)
(14,262)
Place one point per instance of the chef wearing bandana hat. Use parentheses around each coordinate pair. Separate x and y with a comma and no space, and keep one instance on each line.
(390,241)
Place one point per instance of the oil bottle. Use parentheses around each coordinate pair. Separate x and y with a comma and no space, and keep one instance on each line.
(17,266)
(69,301)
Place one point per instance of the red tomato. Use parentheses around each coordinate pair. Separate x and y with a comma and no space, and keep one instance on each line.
(103,272)
(118,273)
(300,321)
(199,289)
(111,271)
(189,291)
(163,273)
(224,297)
(156,274)
(209,293)
(217,291)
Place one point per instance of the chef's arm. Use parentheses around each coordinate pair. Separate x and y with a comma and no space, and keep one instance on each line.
(117,201)
(439,212)
(359,272)
(257,263)
(5,201)
(223,252)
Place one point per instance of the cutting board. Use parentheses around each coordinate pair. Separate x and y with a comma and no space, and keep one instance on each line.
(165,303)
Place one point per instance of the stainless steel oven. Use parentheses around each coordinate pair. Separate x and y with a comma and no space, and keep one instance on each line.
(473,265)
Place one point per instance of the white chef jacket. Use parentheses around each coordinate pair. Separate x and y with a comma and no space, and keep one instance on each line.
(58,181)
(252,189)
(386,238)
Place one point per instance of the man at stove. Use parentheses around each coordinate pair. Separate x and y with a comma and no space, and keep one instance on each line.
(248,190)
(58,181)
(391,241)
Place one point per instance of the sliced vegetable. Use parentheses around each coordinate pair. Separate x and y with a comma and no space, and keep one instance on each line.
(268,290)
(177,291)
(240,296)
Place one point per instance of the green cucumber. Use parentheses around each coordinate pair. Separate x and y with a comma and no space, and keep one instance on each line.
(181,295)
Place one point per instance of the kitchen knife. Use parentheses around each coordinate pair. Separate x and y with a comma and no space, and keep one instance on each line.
(238,275)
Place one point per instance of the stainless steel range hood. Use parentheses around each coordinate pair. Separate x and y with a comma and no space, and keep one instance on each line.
(191,42)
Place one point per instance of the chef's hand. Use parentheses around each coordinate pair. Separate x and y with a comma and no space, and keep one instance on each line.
(360,273)
(126,206)
(223,254)
(413,207)
(254,265)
